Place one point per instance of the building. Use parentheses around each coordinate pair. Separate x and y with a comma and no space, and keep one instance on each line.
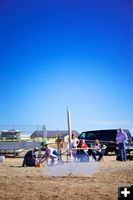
(10,135)
(52,135)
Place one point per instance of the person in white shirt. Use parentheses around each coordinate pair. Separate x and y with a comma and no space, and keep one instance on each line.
(98,151)
(73,144)
(50,153)
(74,141)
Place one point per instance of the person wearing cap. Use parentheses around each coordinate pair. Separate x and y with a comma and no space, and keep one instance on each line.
(121,139)
(50,153)
(30,157)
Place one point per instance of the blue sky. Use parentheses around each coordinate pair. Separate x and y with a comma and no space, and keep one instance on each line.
(55,54)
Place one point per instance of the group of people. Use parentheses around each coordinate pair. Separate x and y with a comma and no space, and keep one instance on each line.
(31,158)
(80,153)
(99,150)
(83,151)
(78,149)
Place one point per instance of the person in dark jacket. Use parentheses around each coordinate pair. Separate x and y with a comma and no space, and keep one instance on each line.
(30,158)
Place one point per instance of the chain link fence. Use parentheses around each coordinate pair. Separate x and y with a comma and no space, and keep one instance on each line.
(25,130)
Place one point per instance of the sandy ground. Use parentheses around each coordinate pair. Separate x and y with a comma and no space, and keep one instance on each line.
(29,183)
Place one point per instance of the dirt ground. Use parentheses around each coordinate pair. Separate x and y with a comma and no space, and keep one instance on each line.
(29,183)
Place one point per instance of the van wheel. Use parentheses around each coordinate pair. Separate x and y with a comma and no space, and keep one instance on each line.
(106,152)
(116,151)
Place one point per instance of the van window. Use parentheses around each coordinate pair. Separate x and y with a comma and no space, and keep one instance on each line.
(102,135)
(91,136)
(82,136)
(109,135)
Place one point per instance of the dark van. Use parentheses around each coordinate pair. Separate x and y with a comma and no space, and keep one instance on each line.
(106,137)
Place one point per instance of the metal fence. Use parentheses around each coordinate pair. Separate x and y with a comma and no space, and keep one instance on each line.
(25,130)
(19,145)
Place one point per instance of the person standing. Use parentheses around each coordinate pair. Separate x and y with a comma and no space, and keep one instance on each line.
(72,146)
(121,139)
(74,141)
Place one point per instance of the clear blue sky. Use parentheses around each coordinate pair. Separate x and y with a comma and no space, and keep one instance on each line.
(59,53)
